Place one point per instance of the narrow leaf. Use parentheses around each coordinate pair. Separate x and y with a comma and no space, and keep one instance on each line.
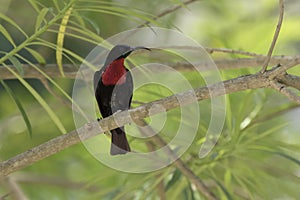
(38,57)
(92,23)
(179,3)
(40,18)
(55,2)
(228,180)
(16,63)
(34,5)
(20,107)
(79,19)
(225,191)
(41,101)
(7,35)
(60,40)
(10,21)
(56,85)
(176,175)
(288,157)
(266,133)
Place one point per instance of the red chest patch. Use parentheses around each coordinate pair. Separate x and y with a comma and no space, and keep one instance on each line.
(115,73)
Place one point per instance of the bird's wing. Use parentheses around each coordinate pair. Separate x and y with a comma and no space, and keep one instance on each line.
(130,85)
(97,77)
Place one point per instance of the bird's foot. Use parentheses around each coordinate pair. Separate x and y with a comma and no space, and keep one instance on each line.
(118,111)
(88,126)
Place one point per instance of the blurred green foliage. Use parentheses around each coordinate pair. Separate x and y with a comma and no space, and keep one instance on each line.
(257,156)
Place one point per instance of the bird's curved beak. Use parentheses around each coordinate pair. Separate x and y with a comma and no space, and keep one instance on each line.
(140,47)
(133,49)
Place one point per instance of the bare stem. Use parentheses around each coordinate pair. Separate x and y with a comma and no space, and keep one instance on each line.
(275,37)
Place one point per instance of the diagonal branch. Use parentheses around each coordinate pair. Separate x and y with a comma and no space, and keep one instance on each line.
(15,190)
(290,80)
(167,11)
(57,144)
(285,91)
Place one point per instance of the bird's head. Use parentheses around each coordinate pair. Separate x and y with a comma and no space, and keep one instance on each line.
(121,51)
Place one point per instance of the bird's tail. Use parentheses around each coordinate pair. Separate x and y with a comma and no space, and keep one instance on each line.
(119,143)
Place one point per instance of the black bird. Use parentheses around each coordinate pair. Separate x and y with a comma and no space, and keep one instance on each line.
(113,90)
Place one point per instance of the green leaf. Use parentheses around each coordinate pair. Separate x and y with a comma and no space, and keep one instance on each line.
(85,32)
(190,191)
(154,185)
(288,157)
(34,5)
(92,23)
(176,175)
(179,2)
(85,38)
(127,188)
(16,63)
(56,4)
(228,179)
(55,84)
(243,185)
(41,101)
(60,39)
(65,52)
(79,19)
(266,133)
(20,107)
(225,191)
(40,18)
(10,21)
(7,35)
(120,11)
(38,57)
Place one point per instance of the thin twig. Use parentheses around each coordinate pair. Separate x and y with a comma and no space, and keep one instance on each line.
(45,82)
(167,11)
(232,51)
(275,37)
(15,189)
(290,80)
(211,50)
(284,67)
(285,91)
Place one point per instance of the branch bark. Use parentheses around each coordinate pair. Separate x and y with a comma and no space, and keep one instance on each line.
(57,144)
(71,70)
(285,91)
